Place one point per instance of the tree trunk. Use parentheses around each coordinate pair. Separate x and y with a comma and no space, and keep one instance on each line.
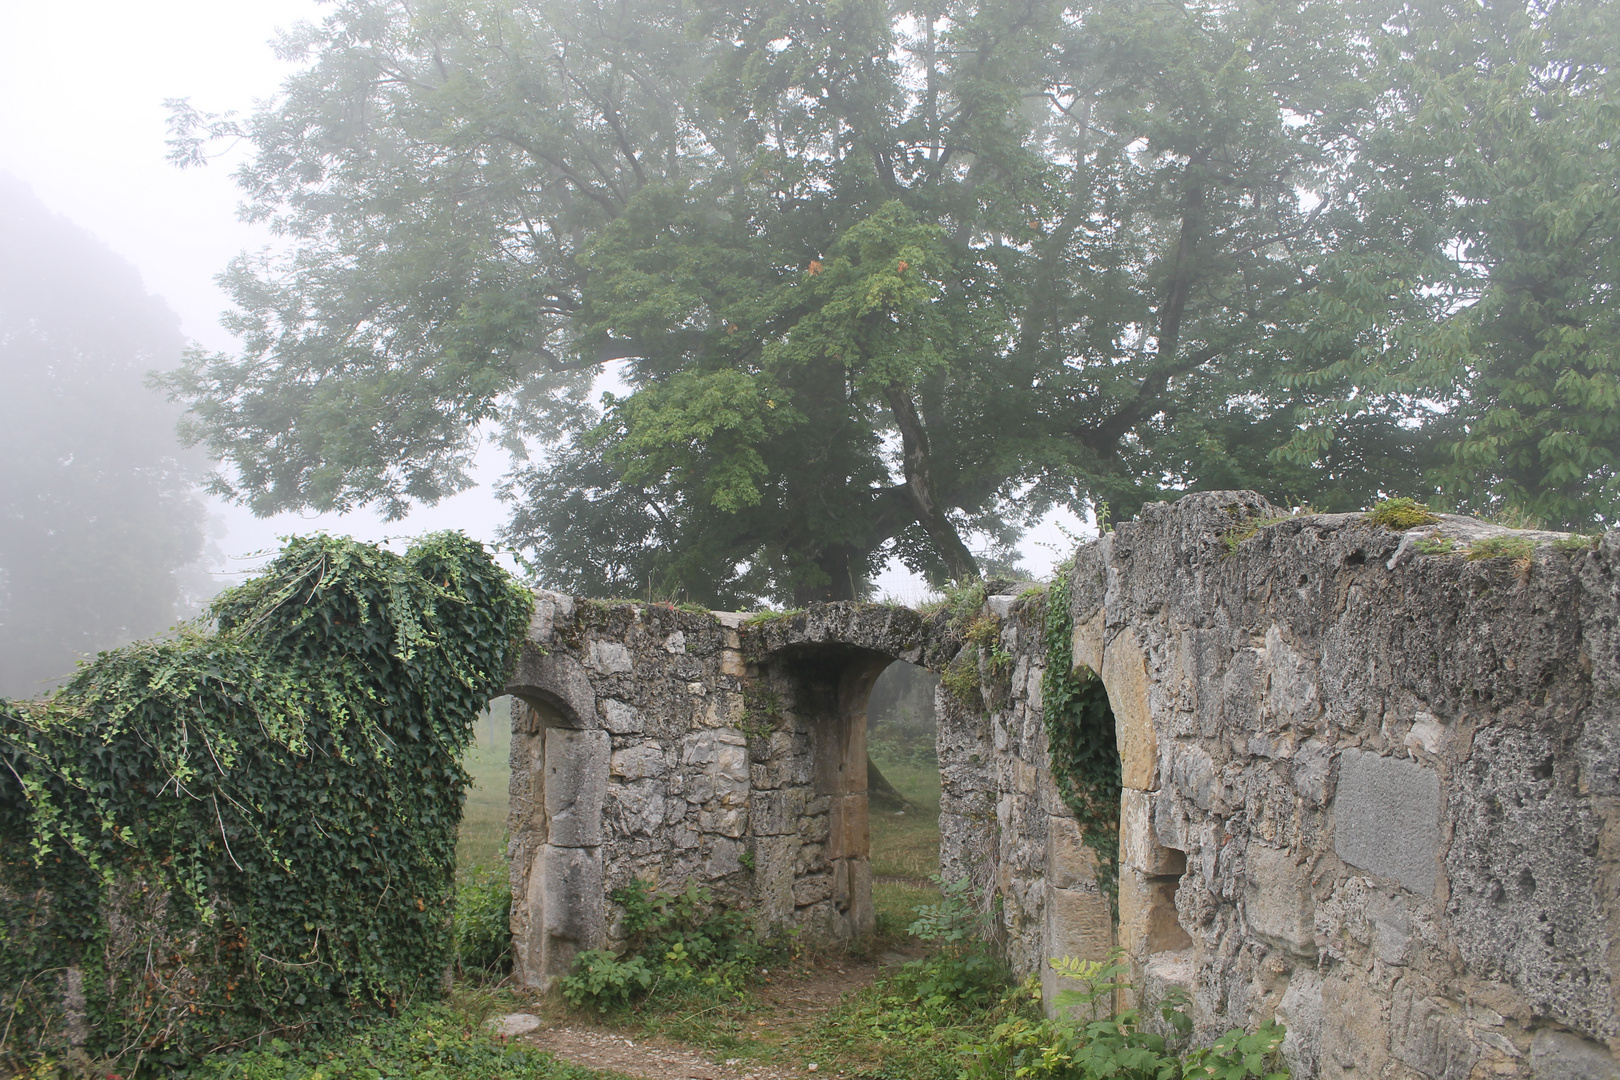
(958,560)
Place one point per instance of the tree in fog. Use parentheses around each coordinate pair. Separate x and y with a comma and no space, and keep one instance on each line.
(882,277)
(97,513)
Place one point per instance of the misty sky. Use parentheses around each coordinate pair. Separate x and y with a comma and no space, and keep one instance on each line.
(84,127)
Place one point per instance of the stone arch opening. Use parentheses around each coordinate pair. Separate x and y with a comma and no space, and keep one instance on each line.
(1150,871)
(823,869)
(904,790)
(560,757)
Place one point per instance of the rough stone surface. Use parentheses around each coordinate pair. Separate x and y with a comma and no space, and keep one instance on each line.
(1372,791)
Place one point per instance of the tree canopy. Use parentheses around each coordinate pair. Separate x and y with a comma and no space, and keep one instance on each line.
(99,520)
(876,279)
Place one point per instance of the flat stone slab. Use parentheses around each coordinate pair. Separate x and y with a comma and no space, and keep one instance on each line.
(1386,818)
(514,1024)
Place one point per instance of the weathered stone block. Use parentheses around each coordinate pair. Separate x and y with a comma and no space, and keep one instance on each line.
(575,786)
(1124,674)
(1560,1055)
(1279,905)
(621,719)
(639,761)
(1386,818)
(1139,847)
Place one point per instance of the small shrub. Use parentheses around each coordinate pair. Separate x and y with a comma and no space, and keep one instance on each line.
(483,923)
(962,969)
(603,981)
(1086,1040)
(672,940)
(961,679)
(1401,514)
(1502,547)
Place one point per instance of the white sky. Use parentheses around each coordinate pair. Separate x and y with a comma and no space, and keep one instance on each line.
(83,124)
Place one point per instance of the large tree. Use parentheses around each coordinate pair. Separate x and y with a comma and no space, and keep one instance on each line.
(99,519)
(875,277)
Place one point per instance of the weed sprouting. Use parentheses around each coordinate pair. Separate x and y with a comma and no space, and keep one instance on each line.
(1502,547)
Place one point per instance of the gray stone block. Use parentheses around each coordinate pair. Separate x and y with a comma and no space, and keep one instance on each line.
(576,777)
(1560,1055)
(1386,818)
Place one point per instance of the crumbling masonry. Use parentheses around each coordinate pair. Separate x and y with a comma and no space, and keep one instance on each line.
(1370,786)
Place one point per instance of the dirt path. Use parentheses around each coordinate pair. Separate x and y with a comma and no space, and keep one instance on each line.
(788,1004)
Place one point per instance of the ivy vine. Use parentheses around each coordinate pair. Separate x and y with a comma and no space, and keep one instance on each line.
(1080,737)
(250,830)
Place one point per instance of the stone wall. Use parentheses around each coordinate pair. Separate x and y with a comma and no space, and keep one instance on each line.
(1369,790)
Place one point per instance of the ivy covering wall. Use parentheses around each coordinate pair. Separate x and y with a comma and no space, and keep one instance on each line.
(1081,739)
(250,830)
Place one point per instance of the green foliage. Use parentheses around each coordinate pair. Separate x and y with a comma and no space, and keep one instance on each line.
(1081,740)
(1087,1041)
(962,969)
(1502,547)
(875,290)
(1401,514)
(253,830)
(426,1042)
(672,941)
(483,934)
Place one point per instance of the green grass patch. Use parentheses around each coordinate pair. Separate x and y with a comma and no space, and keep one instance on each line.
(481,843)
(427,1042)
(1400,514)
(1502,547)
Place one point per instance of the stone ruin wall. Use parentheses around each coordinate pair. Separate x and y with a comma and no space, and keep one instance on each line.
(1369,791)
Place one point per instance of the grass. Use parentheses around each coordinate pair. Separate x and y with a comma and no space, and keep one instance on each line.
(426,1042)
(482,843)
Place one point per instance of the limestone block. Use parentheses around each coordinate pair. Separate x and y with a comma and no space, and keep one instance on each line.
(575,785)
(725,857)
(550,608)
(573,904)
(777,813)
(1561,1055)
(1429,1035)
(1079,924)
(1124,673)
(1147,915)
(730,821)
(1300,1011)
(638,808)
(1138,845)
(775,862)
(1279,905)
(639,761)
(1386,818)
(1070,863)
(1087,644)
(621,719)
(731,663)
(812,889)
(556,686)
(675,644)
(1355,1027)
(849,835)
(608,658)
